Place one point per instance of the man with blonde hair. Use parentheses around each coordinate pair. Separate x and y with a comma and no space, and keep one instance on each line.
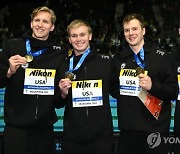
(28,70)
(85,87)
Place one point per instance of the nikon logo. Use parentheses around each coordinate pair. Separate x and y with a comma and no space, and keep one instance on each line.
(40,73)
(86,85)
(129,73)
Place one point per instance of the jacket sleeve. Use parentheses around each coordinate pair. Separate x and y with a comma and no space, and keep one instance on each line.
(114,81)
(59,102)
(167,88)
(4,65)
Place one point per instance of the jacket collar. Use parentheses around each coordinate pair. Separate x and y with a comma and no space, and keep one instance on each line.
(125,50)
(91,54)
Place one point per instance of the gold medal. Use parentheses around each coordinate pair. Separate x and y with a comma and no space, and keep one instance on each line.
(29,58)
(69,75)
(139,70)
(70,52)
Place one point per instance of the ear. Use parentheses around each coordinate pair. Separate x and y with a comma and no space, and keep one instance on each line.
(90,36)
(144,31)
(52,28)
(69,40)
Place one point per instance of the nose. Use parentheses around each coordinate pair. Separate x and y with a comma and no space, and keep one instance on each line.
(78,37)
(130,31)
(40,24)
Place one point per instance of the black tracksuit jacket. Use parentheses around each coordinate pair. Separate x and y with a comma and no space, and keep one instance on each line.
(132,114)
(28,110)
(90,123)
(177,108)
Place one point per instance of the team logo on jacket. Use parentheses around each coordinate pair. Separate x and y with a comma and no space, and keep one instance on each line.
(178,69)
(56,47)
(104,56)
(123,65)
(160,52)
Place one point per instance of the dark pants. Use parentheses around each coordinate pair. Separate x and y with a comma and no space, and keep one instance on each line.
(28,140)
(176,146)
(104,146)
(134,142)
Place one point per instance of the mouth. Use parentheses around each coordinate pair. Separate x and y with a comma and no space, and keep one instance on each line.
(79,44)
(132,38)
(39,30)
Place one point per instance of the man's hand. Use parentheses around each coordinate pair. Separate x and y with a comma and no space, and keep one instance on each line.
(145,81)
(14,63)
(64,86)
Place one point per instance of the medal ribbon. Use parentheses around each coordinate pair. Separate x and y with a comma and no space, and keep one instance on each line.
(138,61)
(80,61)
(35,54)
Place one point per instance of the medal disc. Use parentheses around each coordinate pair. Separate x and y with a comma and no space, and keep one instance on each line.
(70,76)
(139,70)
(29,58)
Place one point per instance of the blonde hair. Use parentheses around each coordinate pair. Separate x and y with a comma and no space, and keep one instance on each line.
(77,23)
(45,9)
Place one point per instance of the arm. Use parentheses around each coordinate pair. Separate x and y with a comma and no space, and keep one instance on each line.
(9,63)
(61,92)
(166,86)
(114,81)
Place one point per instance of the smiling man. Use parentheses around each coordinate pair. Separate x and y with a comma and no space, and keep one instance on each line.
(85,87)
(28,67)
(144,107)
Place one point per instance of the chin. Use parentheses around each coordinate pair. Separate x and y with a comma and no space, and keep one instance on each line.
(132,44)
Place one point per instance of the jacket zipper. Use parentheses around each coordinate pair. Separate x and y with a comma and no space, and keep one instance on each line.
(36,111)
(87,109)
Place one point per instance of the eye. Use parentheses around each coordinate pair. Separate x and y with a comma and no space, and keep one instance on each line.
(36,20)
(134,28)
(82,34)
(126,30)
(45,21)
(73,36)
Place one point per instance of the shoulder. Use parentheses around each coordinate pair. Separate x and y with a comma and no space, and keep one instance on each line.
(59,49)
(104,57)
(161,52)
(14,45)
(99,56)
(100,60)
(14,41)
(155,49)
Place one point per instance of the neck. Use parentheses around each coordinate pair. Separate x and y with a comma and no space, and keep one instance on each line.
(78,52)
(40,38)
(137,48)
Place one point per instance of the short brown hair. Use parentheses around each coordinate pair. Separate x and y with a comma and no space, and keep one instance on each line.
(136,16)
